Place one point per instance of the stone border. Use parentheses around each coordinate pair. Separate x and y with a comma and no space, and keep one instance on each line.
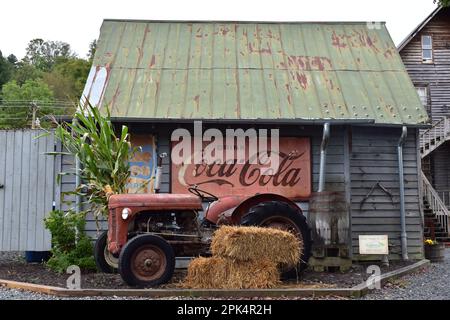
(356,291)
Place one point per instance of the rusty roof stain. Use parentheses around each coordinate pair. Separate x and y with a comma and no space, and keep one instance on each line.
(146,70)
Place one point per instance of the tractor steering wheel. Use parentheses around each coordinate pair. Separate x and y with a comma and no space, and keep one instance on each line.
(206,196)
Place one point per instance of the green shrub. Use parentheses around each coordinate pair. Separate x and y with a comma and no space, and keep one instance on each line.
(70,245)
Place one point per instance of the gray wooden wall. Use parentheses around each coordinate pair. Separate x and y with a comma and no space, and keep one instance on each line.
(28,178)
(374,159)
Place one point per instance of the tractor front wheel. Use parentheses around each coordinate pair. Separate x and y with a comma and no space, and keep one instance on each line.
(146,261)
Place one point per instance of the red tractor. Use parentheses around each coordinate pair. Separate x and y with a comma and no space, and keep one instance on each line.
(147,231)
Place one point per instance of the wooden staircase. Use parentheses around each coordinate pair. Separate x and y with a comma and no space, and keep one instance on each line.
(434,137)
(436,214)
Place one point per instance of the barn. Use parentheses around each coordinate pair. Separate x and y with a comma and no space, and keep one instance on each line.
(338,93)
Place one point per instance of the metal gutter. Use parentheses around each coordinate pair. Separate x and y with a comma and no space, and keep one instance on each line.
(404,236)
(356,122)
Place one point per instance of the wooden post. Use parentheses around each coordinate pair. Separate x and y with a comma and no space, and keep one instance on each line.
(34,112)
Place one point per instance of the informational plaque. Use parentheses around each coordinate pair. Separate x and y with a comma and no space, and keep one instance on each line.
(373,244)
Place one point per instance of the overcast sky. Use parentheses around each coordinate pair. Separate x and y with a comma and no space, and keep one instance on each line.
(78,21)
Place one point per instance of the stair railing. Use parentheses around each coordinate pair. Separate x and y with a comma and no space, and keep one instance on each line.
(436,204)
(431,138)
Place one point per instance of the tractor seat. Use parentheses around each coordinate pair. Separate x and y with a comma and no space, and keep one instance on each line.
(159,201)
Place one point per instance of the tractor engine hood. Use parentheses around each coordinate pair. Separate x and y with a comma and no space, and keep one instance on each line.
(160,201)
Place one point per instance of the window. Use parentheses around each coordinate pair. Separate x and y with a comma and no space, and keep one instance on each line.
(423,95)
(427,49)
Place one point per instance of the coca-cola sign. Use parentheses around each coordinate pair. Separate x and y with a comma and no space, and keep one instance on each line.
(291,179)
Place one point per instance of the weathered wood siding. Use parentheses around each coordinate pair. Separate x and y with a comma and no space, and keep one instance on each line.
(435,75)
(374,159)
(28,178)
(440,160)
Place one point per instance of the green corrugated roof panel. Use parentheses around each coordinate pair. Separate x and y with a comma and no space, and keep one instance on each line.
(250,71)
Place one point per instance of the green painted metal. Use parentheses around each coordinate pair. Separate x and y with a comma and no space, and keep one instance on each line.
(252,71)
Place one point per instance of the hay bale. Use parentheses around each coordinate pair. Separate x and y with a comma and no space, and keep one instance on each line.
(253,243)
(223,273)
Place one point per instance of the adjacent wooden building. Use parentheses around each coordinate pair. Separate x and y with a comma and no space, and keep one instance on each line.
(426,55)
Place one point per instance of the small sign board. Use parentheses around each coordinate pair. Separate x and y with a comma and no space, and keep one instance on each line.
(373,244)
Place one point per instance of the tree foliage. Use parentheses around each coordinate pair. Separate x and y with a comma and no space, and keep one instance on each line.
(50,72)
(75,71)
(16,114)
(30,90)
(45,54)
(6,70)
(444,3)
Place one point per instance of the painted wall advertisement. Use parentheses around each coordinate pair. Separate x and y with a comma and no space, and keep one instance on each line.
(142,165)
(292,179)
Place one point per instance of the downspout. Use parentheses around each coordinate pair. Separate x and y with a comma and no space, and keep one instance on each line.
(77,178)
(404,237)
(323,156)
(77,184)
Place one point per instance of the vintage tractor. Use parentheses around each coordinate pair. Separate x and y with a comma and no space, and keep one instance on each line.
(147,231)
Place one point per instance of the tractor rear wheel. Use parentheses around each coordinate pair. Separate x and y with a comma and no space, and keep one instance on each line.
(280,215)
(104,259)
(146,261)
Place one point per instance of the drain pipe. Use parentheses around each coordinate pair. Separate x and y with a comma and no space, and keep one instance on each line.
(323,156)
(77,178)
(77,184)
(404,237)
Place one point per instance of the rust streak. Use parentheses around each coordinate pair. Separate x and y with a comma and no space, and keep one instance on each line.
(336,41)
(197,102)
(388,54)
(309,63)
(302,80)
(153,61)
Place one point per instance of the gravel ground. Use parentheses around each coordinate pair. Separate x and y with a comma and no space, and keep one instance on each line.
(432,283)
(429,283)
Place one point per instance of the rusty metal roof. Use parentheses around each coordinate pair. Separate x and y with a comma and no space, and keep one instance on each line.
(149,70)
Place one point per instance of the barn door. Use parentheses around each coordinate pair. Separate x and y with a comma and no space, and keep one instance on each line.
(27,177)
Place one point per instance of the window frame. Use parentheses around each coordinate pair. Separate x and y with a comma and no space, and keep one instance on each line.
(426,88)
(428,47)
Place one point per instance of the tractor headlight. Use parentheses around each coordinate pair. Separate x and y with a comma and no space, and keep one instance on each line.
(125,213)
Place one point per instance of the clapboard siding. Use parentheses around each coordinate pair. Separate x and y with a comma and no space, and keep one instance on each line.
(441,167)
(435,76)
(28,176)
(380,214)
